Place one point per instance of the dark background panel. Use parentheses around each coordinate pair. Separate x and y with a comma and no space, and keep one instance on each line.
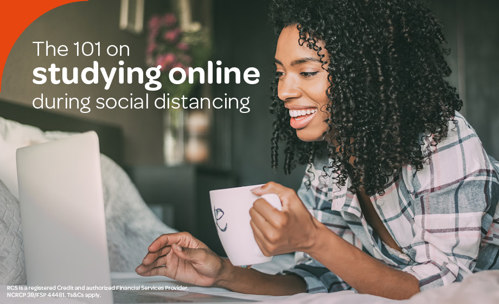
(244,37)
(472,31)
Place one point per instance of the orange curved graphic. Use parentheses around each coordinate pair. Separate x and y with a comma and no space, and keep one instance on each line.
(16,16)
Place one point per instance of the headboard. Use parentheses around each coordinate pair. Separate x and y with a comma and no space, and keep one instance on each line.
(110,136)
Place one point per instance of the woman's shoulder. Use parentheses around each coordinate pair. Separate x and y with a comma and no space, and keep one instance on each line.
(459,134)
(462,148)
(457,165)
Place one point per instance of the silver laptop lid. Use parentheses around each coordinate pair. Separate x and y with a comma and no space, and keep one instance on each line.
(62,213)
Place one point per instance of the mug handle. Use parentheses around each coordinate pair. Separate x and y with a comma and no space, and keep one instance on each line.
(273,199)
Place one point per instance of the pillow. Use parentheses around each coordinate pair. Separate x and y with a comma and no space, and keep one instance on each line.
(8,171)
(14,135)
(19,134)
(130,225)
(11,246)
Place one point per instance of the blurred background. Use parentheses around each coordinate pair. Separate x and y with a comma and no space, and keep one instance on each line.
(176,157)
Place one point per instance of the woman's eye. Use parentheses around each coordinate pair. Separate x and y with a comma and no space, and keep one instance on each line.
(308,74)
(278,74)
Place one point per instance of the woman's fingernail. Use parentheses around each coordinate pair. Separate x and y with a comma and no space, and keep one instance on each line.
(256,189)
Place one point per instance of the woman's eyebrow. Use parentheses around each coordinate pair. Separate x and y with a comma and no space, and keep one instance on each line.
(299,61)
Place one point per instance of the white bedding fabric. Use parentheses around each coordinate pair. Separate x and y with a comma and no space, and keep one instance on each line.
(11,242)
(130,224)
(478,288)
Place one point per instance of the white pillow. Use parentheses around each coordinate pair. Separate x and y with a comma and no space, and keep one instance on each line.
(8,171)
(19,134)
(14,135)
(130,224)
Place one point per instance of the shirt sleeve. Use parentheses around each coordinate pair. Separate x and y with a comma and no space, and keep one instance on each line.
(457,193)
(316,198)
(317,277)
(446,244)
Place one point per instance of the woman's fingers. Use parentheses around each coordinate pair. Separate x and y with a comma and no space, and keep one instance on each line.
(291,229)
(266,212)
(162,245)
(158,243)
(152,256)
(268,237)
(157,271)
(270,187)
(260,239)
(160,262)
(288,196)
(184,239)
(265,216)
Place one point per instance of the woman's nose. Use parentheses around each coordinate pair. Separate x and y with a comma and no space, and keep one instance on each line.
(287,89)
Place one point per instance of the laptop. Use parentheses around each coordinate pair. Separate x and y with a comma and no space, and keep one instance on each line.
(63,222)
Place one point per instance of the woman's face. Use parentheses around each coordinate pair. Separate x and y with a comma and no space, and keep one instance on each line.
(302,85)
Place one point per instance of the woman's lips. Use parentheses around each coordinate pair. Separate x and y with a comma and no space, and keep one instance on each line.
(302,117)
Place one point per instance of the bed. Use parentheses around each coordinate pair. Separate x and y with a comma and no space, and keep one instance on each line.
(131,226)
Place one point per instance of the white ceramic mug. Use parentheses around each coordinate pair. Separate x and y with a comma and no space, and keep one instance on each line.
(230,208)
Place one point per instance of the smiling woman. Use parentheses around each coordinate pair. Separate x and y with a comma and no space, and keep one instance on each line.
(398,196)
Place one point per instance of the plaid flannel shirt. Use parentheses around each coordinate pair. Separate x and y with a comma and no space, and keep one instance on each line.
(444,217)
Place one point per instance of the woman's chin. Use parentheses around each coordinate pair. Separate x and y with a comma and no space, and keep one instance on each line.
(309,136)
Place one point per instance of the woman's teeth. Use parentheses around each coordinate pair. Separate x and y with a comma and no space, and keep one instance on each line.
(297,113)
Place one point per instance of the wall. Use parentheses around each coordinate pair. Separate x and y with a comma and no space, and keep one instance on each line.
(96,20)
(472,30)
(244,37)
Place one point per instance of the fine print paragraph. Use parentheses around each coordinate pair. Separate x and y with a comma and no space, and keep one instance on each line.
(21,292)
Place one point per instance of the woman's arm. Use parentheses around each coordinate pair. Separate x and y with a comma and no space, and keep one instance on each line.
(247,280)
(182,257)
(295,229)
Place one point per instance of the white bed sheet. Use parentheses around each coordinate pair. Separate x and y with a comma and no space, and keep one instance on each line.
(131,278)
(480,288)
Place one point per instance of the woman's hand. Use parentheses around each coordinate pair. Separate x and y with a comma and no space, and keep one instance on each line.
(278,232)
(184,258)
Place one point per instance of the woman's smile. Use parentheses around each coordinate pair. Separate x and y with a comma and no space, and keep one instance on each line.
(300,118)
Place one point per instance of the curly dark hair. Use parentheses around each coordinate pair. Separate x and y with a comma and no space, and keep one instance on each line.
(387,88)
